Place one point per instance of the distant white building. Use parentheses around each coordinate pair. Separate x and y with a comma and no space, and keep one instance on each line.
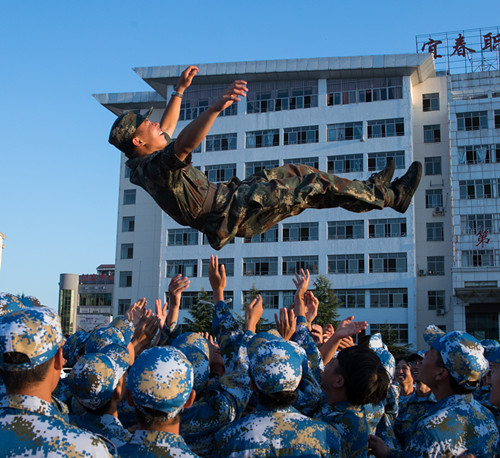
(85,301)
(345,115)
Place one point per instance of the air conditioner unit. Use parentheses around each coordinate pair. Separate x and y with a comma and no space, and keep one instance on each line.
(430,272)
(440,311)
(438,211)
(421,273)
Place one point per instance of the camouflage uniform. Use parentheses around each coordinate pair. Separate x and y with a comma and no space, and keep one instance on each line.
(249,207)
(350,421)
(30,426)
(224,400)
(106,425)
(150,444)
(409,413)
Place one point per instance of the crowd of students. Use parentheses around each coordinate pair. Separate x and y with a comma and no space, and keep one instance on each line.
(140,387)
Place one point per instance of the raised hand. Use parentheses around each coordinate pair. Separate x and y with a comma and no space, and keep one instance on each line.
(285,323)
(253,313)
(135,312)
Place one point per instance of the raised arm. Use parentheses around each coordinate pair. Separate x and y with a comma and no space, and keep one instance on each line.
(171,114)
(193,134)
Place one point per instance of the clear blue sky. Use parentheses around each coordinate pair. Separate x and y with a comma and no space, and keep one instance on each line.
(58,174)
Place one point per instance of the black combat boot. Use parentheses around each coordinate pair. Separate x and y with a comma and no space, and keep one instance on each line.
(405,187)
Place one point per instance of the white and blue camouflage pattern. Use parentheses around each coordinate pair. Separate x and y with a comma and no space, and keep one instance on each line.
(161,378)
(380,348)
(152,444)
(34,332)
(462,354)
(103,337)
(72,347)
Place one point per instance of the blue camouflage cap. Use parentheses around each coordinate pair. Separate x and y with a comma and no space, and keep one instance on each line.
(493,354)
(102,337)
(95,376)
(11,303)
(162,379)
(385,356)
(489,346)
(125,326)
(72,347)
(462,354)
(123,129)
(275,366)
(192,338)
(34,332)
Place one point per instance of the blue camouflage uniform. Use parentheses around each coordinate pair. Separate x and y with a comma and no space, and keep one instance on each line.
(276,367)
(106,425)
(151,444)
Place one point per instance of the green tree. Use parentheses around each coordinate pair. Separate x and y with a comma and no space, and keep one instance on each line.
(328,301)
(263,324)
(390,338)
(201,313)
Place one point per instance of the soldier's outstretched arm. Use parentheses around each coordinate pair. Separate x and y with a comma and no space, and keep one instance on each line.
(171,114)
(193,134)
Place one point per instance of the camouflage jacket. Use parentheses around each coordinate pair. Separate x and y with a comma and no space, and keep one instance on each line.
(279,432)
(350,421)
(409,413)
(106,425)
(150,444)
(456,424)
(30,426)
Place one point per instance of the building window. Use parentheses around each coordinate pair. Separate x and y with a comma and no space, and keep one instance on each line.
(281,95)
(228,264)
(472,224)
(188,299)
(220,142)
(478,154)
(220,173)
(389,297)
(346,264)
(399,331)
(345,131)
(435,299)
(433,198)
(270,299)
(435,265)
(263,138)
(123,305)
(127,172)
(472,120)
(252,168)
(292,264)
(380,128)
(300,232)
(341,92)
(351,298)
(430,102)
(432,133)
(345,163)
(182,237)
(260,266)
(310,161)
(128,196)
(271,235)
(127,251)
(476,189)
(300,135)
(387,227)
(387,262)
(342,230)
(378,161)
(433,165)
(478,258)
(128,224)
(497,119)
(125,279)
(185,267)
(199,98)
(435,232)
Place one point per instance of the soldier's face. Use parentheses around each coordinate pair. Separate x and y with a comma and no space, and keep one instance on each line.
(495,384)
(151,135)
(403,374)
(330,380)
(429,367)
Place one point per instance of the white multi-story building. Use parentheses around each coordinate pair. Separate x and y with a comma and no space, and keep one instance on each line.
(345,115)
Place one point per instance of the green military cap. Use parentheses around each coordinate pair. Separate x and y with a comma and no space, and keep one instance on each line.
(123,129)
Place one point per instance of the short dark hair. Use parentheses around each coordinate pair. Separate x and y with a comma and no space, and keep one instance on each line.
(100,410)
(19,380)
(365,379)
(278,400)
(148,417)
(455,386)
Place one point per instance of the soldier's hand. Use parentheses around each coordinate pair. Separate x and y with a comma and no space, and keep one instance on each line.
(232,94)
(253,314)
(285,323)
(186,78)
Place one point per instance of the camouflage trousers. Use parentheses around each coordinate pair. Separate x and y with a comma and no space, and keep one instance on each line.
(252,206)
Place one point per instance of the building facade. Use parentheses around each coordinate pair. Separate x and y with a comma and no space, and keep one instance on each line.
(345,115)
(85,301)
